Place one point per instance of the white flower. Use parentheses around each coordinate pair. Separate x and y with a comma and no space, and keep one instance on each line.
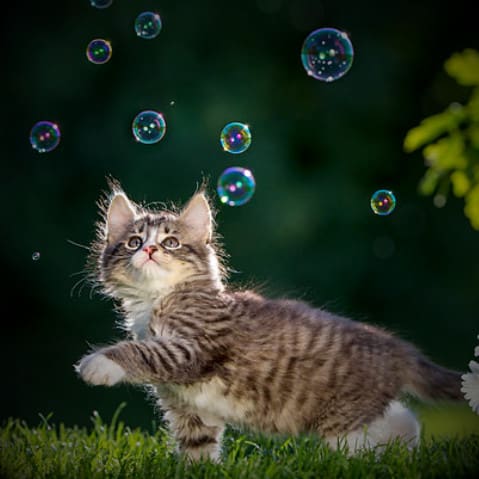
(470,383)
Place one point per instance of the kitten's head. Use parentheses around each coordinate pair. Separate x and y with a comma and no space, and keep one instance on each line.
(140,251)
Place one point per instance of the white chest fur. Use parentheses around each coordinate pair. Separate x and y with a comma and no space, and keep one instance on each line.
(139,310)
(209,401)
(138,319)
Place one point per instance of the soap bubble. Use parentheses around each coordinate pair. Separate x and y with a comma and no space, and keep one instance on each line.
(149,127)
(45,136)
(327,54)
(101,3)
(236,186)
(148,25)
(383,202)
(235,137)
(35,256)
(99,51)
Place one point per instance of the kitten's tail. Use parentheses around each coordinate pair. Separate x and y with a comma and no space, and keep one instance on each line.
(428,380)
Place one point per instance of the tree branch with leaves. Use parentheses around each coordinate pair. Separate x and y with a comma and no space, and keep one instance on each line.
(450,141)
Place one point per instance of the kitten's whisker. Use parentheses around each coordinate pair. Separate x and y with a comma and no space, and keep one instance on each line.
(92,291)
(74,243)
(83,271)
(81,281)
(81,288)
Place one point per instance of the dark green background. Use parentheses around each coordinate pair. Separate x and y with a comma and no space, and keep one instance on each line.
(319,151)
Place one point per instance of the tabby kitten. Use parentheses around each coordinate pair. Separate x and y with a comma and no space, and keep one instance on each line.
(213,355)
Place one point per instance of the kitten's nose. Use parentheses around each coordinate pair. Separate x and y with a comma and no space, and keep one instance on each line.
(150,249)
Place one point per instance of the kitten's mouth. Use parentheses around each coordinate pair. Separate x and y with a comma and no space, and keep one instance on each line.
(148,264)
(149,261)
(152,261)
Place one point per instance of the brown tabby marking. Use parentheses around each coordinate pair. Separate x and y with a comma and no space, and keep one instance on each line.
(216,356)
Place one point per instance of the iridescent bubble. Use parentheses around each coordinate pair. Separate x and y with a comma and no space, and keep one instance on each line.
(101,3)
(99,51)
(45,136)
(35,256)
(235,137)
(327,54)
(148,25)
(149,127)
(236,186)
(383,202)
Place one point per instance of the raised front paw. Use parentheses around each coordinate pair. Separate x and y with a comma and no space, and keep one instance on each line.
(99,370)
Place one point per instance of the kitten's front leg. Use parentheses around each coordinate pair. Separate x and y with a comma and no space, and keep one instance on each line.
(153,360)
(98,370)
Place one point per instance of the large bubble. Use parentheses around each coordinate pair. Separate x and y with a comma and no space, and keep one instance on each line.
(149,127)
(236,186)
(148,25)
(235,137)
(99,51)
(327,54)
(45,136)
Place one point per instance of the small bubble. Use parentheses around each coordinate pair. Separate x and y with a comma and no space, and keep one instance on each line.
(149,127)
(235,137)
(330,47)
(35,256)
(236,186)
(99,51)
(172,103)
(45,136)
(101,3)
(148,25)
(383,202)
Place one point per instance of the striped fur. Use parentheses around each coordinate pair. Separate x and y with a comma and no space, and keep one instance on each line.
(215,356)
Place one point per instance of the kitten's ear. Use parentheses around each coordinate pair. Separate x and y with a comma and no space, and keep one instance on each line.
(120,214)
(197,218)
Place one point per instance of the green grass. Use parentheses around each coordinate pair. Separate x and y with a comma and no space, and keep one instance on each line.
(115,451)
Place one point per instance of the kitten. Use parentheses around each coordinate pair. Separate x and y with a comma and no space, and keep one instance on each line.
(214,355)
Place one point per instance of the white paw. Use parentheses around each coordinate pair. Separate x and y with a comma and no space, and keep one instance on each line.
(98,370)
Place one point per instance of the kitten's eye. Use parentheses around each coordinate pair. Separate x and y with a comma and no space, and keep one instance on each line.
(171,243)
(134,242)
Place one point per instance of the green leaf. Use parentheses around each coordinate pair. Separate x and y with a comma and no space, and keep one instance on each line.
(471,210)
(473,105)
(450,141)
(432,127)
(464,67)
(428,184)
(446,154)
(460,183)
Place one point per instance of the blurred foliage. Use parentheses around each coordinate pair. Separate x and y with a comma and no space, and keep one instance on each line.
(450,141)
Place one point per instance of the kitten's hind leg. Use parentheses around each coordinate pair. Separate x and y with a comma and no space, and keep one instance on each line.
(196,438)
(398,422)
